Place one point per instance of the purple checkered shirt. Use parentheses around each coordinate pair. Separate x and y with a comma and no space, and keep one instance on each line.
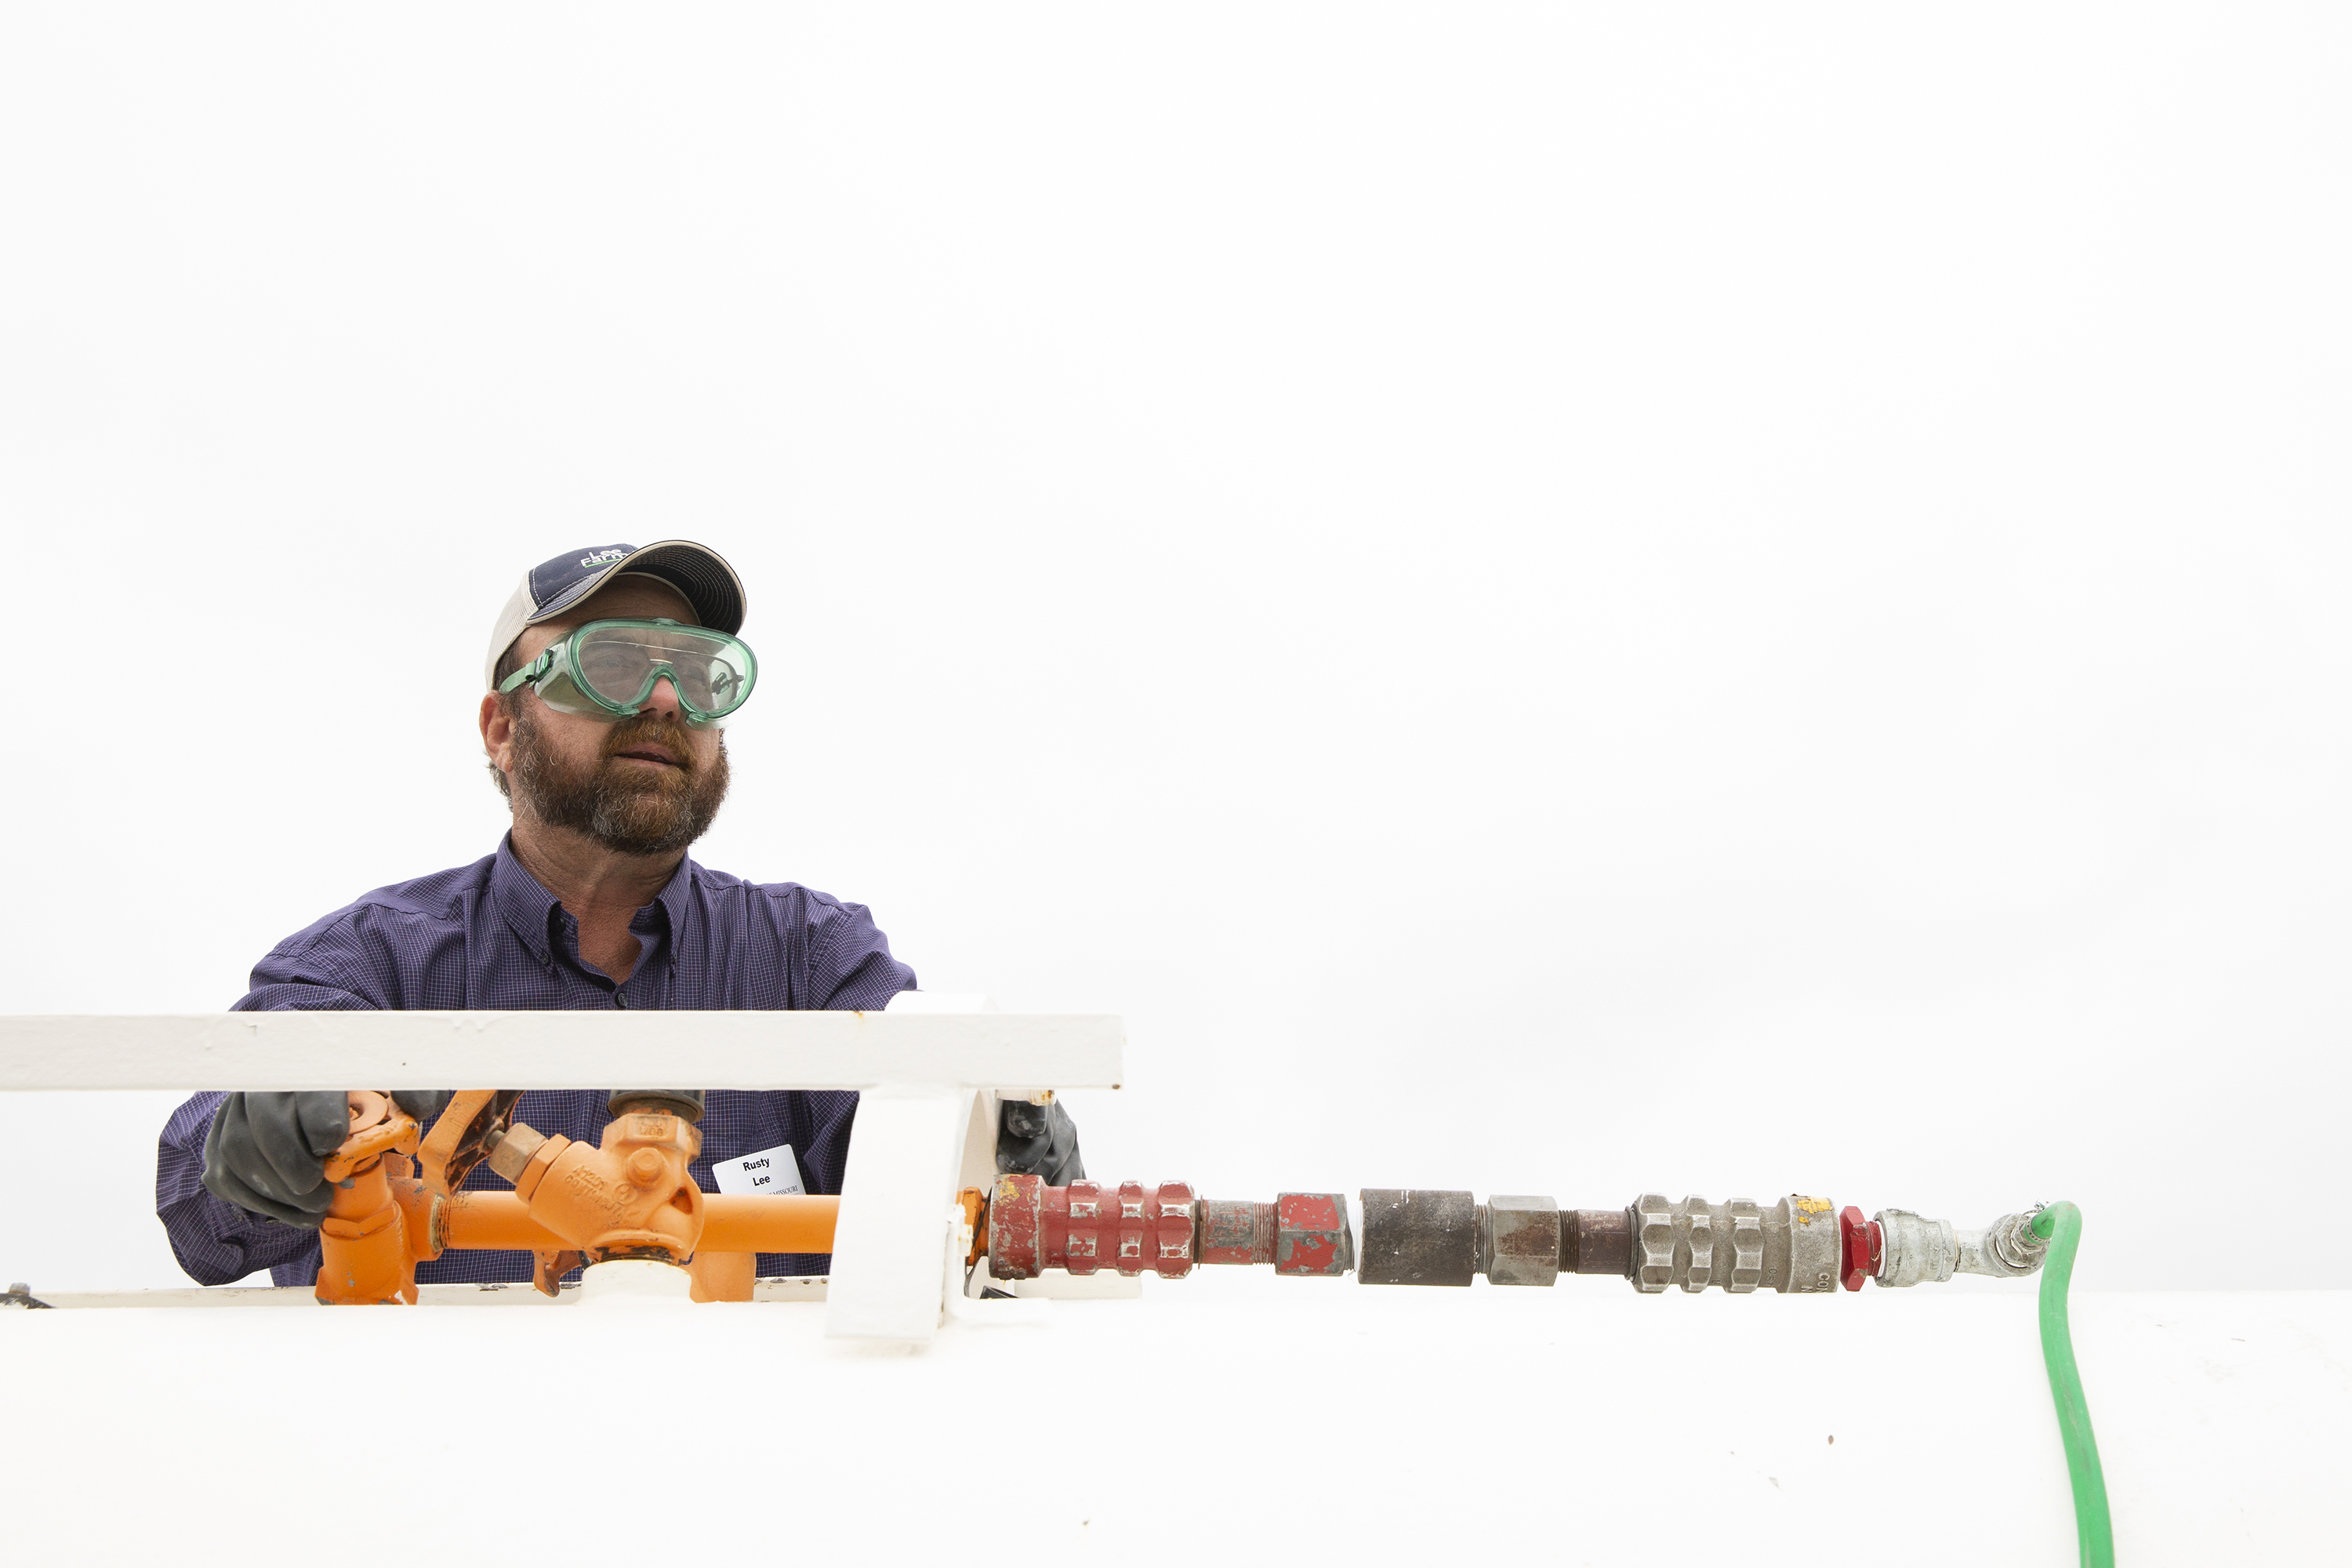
(488,935)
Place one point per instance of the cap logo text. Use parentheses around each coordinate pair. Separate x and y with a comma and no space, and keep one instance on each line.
(601,556)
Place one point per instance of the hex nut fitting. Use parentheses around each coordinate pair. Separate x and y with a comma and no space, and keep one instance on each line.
(1312,1237)
(1859,1248)
(1518,1240)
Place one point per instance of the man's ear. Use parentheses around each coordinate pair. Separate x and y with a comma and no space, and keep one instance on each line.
(498,730)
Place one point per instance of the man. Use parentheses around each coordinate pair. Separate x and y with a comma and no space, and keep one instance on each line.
(609,672)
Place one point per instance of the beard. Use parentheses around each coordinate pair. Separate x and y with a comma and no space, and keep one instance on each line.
(617,805)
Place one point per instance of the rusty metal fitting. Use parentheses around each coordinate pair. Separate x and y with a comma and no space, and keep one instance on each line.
(507,1150)
(1233,1230)
(1312,1237)
(1133,1229)
(537,1155)
(1596,1241)
(1859,1249)
(1418,1237)
(1518,1240)
(1016,1227)
(1083,1227)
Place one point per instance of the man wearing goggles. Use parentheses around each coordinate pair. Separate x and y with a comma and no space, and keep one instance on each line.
(609,674)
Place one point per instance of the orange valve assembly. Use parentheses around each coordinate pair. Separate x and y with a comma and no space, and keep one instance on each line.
(631,1197)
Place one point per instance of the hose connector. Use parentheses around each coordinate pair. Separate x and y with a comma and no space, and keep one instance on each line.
(2006,1250)
(1918,1250)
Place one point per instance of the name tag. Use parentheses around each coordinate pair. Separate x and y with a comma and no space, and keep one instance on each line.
(771,1171)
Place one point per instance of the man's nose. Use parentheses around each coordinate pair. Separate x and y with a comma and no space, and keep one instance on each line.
(663,698)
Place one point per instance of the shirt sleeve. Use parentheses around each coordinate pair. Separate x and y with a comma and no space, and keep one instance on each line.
(851,970)
(215,1241)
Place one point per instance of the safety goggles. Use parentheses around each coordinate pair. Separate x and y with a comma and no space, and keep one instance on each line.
(607,670)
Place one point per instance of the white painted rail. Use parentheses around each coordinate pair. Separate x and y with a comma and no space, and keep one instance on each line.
(1008,1051)
(937,1066)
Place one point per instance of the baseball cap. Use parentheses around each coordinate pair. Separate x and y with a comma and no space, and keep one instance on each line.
(554,586)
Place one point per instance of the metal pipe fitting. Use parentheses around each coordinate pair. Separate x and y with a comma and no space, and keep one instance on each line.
(1928,1251)
(1916,1251)
(2006,1250)
(1597,1241)
(1794,1245)
(1418,1237)
(1518,1241)
(1087,1226)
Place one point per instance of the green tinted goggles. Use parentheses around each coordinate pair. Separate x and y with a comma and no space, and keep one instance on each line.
(607,670)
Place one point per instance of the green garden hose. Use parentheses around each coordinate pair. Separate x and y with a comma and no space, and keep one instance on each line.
(2060,1224)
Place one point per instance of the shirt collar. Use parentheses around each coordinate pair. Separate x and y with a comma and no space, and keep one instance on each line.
(533,913)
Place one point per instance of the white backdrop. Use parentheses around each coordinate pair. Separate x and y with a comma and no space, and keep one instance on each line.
(1718,601)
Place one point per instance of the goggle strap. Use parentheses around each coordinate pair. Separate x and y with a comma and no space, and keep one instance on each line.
(534,669)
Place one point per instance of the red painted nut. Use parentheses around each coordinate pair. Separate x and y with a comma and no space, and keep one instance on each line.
(1016,1227)
(1311,1234)
(1857,1247)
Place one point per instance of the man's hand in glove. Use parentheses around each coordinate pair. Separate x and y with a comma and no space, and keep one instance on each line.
(1038,1140)
(268,1153)
(424,1104)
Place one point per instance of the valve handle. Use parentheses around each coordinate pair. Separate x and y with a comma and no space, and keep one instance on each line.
(461,1139)
(378,1126)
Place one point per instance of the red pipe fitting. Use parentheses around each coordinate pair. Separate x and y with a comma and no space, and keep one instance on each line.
(1301,1234)
(1085,1228)
(1859,1248)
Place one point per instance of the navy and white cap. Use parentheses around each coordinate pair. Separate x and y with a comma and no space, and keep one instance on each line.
(551,588)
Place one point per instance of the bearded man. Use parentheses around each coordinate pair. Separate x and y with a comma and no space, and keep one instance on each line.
(609,672)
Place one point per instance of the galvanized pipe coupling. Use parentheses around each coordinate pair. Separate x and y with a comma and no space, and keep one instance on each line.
(1927,1251)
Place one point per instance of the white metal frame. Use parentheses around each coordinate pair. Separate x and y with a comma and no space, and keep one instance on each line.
(931,1069)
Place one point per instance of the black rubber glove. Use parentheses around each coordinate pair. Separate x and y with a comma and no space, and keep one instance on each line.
(424,1104)
(268,1153)
(1037,1141)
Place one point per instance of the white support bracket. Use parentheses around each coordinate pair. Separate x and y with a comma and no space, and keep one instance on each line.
(931,1069)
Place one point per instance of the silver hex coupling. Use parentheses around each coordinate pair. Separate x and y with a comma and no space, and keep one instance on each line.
(1792,1246)
(1518,1240)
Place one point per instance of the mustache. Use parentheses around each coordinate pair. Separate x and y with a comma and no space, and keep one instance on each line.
(651,729)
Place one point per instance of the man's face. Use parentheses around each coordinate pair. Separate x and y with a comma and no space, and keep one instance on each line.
(648,785)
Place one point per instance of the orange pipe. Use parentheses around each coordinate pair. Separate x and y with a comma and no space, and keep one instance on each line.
(732,1222)
(743,1222)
